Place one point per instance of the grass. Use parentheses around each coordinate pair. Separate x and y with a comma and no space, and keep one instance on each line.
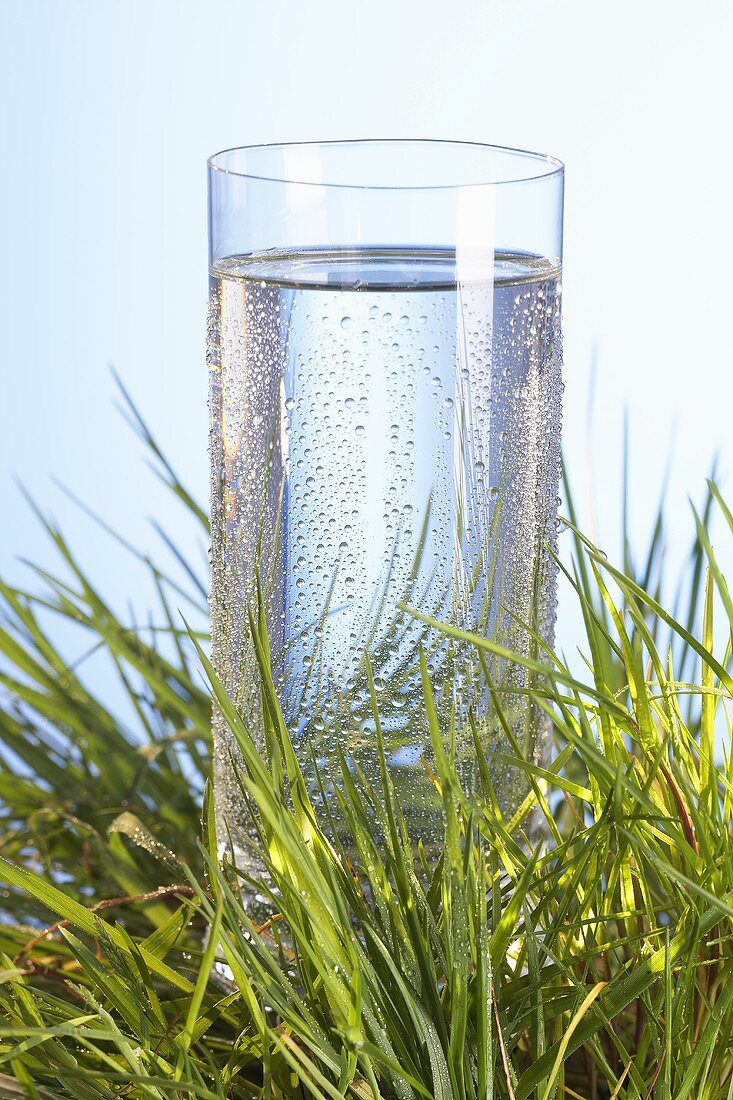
(597,965)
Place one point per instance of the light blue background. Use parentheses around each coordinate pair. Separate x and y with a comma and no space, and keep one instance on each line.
(109,109)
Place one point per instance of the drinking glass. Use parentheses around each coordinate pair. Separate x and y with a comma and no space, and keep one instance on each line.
(385,395)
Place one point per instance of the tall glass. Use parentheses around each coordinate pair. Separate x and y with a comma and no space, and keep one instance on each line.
(385,394)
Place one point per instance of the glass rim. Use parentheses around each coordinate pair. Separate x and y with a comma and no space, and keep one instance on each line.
(553,167)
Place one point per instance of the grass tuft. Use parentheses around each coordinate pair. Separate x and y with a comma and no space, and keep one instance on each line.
(595,965)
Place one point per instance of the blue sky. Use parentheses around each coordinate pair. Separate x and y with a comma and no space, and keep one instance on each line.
(110,109)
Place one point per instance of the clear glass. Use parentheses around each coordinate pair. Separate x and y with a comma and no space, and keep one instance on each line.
(385,394)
